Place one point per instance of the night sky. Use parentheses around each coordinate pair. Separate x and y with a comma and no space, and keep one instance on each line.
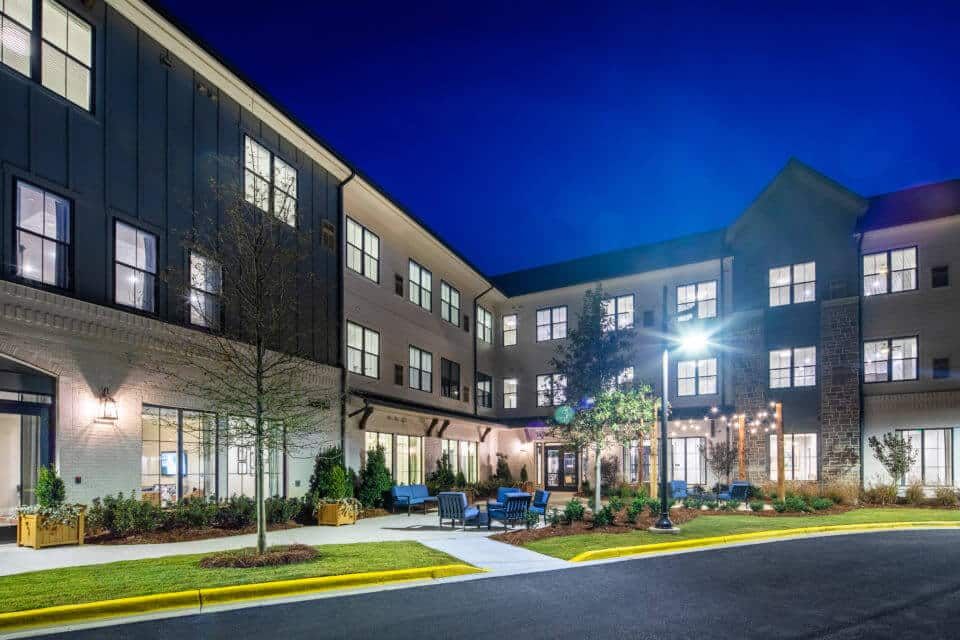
(526,133)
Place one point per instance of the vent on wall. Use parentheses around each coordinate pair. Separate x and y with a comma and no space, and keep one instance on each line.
(328,236)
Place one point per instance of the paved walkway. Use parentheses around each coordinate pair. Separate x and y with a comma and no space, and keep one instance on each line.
(471,546)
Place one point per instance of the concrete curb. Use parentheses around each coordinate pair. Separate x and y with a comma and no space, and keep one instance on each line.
(200,598)
(619,552)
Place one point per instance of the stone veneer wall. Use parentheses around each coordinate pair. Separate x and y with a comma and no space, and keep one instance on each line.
(748,365)
(840,444)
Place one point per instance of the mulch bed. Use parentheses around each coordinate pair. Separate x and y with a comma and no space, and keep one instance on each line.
(183,535)
(272,557)
(520,537)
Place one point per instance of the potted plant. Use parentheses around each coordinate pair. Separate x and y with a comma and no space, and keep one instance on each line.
(338,506)
(50,522)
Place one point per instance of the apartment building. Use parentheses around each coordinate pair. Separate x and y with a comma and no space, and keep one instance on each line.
(118,121)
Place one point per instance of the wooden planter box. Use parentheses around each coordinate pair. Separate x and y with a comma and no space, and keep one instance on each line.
(329,514)
(31,532)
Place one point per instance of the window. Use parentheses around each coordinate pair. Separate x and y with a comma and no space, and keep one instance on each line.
(409,460)
(484,390)
(449,379)
(363,351)
(793,284)
(421,286)
(509,393)
(135,267)
(241,467)
(372,440)
(462,456)
(66,54)
(328,236)
(551,390)
(16,23)
(206,279)
(688,460)
(551,324)
(484,325)
(894,359)
(941,368)
(178,454)
(509,330)
(933,465)
(799,456)
(890,271)
(617,313)
(449,304)
(697,377)
(940,277)
(421,370)
(697,301)
(43,237)
(270,184)
(363,251)
(793,367)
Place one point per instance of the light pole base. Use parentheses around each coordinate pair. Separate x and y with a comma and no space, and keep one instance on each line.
(658,530)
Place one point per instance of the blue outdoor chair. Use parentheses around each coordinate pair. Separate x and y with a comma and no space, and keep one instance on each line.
(514,510)
(453,507)
(502,493)
(678,489)
(739,490)
(540,500)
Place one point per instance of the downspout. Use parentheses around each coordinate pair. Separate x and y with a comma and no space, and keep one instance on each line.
(475,338)
(860,351)
(341,317)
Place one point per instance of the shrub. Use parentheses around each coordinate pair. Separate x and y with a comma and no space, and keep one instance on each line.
(281,511)
(523,474)
(638,504)
(616,504)
(554,517)
(842,492)
(574,510)
(732,505)
(633,512)
(236,513)
(805,490)
(710,504)
(779,506)
(627,492)
(338,485)
(914,493)
(375,480)
(485,489)
(653,506)
(946,497)
(50,490)
(326,460)
(191,513)
(796,503)
(531,519)
(443,478)
(820,504)
(308,509)
(880,494)
(755,492)
(124,516)
(503,473)
(603,517)
(247,558)
(692,503)
(756,505)
(460,480)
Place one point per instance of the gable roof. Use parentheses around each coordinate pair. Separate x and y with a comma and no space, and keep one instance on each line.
(917,204)
(649,257)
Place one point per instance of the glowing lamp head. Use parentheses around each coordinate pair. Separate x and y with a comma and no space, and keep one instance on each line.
(694,341)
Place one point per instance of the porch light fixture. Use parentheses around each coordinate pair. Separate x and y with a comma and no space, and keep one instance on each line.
(108,406)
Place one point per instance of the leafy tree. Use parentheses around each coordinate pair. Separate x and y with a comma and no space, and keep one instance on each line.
(722,459)
(895,453)
(338,484)
(443,478)
(503,474)
(325,462)
(375,480)
(50,490)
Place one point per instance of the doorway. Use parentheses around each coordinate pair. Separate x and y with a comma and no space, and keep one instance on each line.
(561,469)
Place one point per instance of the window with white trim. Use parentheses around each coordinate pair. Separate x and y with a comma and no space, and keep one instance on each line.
(617,313)
(697,301)
(890,271)
(420,286)
(43,236)
(551,390)
(484,325)
(510,330)
(269,183)
(421,370)
(793,367)
(894,359)
(697,377)
(793,284)
(135,267)
(449,303)
(509,393)
(363,250)
(551,323)
(363,351)
(799,456)
(206,286)
(688,460)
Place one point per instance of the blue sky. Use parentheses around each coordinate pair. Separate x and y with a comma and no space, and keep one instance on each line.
(526,133)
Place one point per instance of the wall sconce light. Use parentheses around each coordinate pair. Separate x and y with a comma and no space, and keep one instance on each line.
(108,406)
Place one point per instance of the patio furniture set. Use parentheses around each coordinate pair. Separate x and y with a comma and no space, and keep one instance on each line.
(738,490)
(510,508)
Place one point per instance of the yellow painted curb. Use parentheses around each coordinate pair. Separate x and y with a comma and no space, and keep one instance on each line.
(199,598)
(223,595)
(95,610)
(619,552)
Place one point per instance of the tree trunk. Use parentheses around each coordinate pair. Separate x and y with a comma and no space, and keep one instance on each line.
(596,504)
(259,488)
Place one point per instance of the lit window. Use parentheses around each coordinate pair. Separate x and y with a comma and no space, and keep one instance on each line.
(363,250)
(449,304)
(793,367)
(697,301)
(933,464)
(409,460)
(509,330)
(462,456)
(799,456)
(510,393)
(617,313)
(793,284)
(551,324)
(484,325)
(16,23)
(890,271)
(551,390)
(67,54)
(484,390)
(420,286)
(894,359)
(43,236)
(270,184)
(697,377)
(688,460)
(178,455)
(421,370)
(373,440)
(135,267)
(363,351)
(206,279)
(449,379)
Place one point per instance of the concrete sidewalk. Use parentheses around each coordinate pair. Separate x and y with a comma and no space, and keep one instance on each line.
(471,546)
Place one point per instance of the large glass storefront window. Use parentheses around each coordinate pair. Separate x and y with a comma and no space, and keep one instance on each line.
(178,457)
(403,454)
(932,465)
(242,465)
(463,457)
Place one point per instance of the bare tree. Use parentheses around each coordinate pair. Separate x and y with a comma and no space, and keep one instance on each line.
(248,268)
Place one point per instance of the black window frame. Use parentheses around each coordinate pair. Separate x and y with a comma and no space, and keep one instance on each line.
(889,273)
(611,322)
(204,292)
(890,360)
(448,316)
(362,350)
(792,368)
(553,324)
(271,182)
(364,256)
(514,331)
(511,394)
(449,379)
(698,378)
(484,392)
(554,388)
(17,229)
(792,285)
(484,329)
(156,280)
(419,287)
(693,308)
(419,370)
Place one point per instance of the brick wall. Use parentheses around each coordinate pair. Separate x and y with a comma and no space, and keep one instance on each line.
(840,389)
(748,364)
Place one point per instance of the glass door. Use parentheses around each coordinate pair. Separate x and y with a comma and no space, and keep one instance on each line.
(561,469)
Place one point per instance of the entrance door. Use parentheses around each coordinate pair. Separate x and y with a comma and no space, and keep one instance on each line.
(561,469)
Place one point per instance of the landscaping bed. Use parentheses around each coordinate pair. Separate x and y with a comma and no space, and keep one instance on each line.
(73,585)
(163,536)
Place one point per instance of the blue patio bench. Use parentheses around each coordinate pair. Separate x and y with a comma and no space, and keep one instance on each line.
(452,506)
(514,510)
(408,495)
(539,507)
(739,490)
(502,493)
(678,489)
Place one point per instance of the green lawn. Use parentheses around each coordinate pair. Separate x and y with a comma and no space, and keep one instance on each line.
(74,585)
(566,547)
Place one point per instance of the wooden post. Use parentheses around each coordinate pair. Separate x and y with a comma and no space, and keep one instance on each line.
(778,416)
(741,447)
